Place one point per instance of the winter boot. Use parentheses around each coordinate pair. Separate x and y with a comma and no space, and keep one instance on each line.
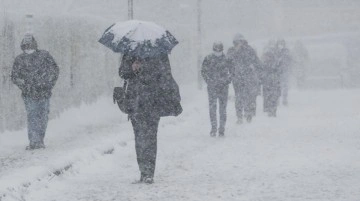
(148,180)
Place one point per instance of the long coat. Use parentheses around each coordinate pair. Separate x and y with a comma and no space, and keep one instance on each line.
(153,90)
(271,75)
(35,74)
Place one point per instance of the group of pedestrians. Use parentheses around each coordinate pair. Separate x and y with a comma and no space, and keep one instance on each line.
(152,92)
(248,74)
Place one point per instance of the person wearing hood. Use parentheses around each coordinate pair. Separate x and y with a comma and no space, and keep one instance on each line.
(35,73)
(276,61)
(216,73)
(246,69)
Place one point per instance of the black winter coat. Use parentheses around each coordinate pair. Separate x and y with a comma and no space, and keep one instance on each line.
(216,71)
(35,74)
(246,68)
(153,90)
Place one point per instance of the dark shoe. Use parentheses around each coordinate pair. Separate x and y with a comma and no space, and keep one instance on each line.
(148,180)
(221,134)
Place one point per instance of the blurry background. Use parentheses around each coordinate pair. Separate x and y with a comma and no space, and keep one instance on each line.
(326,32)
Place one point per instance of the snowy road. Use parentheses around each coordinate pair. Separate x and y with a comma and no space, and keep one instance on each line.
(310,152)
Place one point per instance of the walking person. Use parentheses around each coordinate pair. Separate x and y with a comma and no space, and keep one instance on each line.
(276,64)
(246,68)
(152,93)
(216,73)
(284,62)
(35,73)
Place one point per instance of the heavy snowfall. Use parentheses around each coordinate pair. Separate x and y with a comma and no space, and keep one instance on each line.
(309,151)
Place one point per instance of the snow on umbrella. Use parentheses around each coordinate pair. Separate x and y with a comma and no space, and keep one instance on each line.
(138,38)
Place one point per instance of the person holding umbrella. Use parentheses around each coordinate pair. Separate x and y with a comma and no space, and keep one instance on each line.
(151,92)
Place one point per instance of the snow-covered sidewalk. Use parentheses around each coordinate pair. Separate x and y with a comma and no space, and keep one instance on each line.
(79,134)
(311,151)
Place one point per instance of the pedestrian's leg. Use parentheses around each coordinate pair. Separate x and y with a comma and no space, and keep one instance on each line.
(223,99)
(138,125)
(285,94)
(30,107)
(248,108)
(43,119)
(273,104)
(238,103)
(151,146)
(249,103)
(266,100)
(212,110)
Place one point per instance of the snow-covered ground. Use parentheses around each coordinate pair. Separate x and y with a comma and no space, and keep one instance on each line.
(311,151)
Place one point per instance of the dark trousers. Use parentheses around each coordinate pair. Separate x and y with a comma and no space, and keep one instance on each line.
(37,118)
(216,93)
(145,129)
(245,101)
(284,94)
(271,99)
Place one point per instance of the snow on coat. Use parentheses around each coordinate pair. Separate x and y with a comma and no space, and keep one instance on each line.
(216,70)
(153,89)
(246,68)
(35,74)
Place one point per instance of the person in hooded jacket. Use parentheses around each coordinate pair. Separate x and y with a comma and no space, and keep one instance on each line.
(246,69)
(217,75)
(151,93)
(276,61)
(35,72)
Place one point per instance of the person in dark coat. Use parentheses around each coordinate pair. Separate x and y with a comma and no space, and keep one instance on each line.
(276,62)
(246,67)
(216,73)
(35,73)
(152,93)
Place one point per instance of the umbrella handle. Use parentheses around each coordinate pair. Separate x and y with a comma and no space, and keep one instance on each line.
(126,85)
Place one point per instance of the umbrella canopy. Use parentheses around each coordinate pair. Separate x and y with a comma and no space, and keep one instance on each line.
(138,38)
